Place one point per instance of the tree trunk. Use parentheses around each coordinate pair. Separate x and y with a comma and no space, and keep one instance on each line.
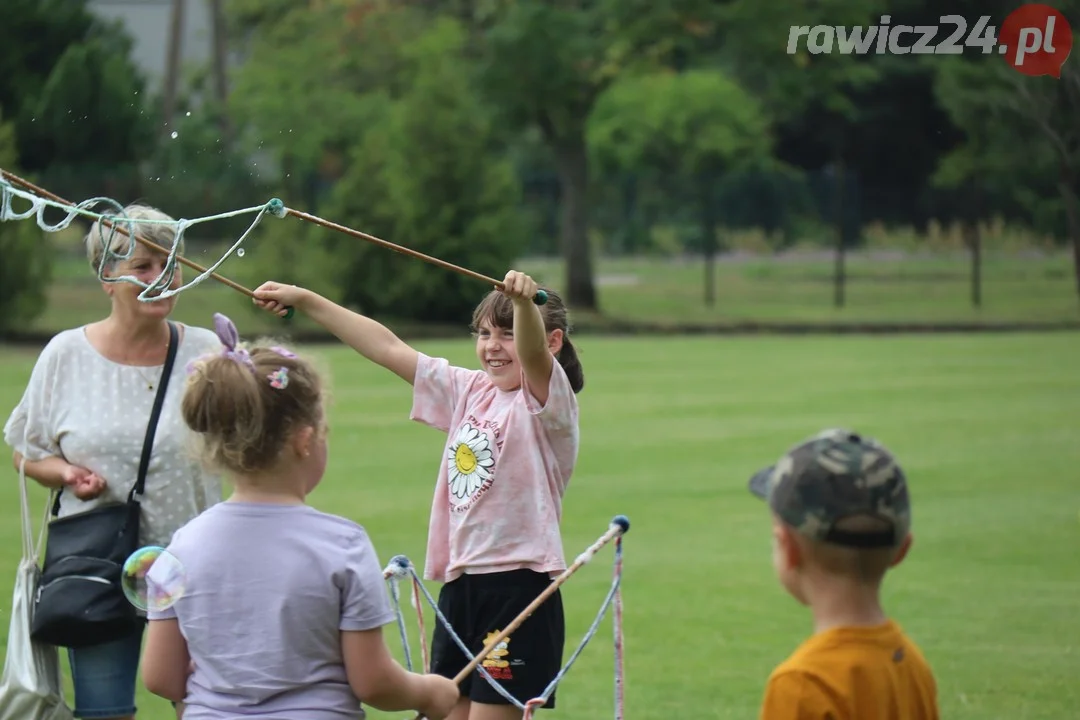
(172,64)
(841,236)
(708,236)
(973,239)
(573,167)
(220,55)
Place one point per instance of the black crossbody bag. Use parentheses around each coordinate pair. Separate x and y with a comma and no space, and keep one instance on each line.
(80,600)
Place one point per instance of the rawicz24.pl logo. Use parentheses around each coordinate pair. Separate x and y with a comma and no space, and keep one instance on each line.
(1034,39)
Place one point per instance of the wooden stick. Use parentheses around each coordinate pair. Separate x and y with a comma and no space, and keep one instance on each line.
(148,244)
(539,299)
(619,526)
(541,296)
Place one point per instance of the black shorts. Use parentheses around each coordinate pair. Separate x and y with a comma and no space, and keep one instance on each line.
(479,607)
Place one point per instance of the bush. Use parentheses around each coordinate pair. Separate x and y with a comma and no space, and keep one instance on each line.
(425,176)
(26,264)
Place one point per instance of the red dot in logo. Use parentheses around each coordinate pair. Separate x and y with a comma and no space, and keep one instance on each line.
(1036,40)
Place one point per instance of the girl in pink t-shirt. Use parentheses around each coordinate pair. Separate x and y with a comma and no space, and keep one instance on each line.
(512,442)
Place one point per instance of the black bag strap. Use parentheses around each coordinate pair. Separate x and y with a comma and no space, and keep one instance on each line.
(155,414)
(151,428)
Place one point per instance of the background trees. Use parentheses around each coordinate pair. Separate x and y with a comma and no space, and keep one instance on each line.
(483,130)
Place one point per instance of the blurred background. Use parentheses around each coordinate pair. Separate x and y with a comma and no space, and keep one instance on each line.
(670,167)
(666,164)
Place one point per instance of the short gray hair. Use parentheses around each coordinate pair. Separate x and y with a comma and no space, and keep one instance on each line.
(119,243)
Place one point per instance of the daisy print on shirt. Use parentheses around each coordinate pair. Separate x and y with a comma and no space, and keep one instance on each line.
(470,462)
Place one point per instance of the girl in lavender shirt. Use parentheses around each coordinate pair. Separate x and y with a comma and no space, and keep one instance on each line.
(283,605)
(512,443)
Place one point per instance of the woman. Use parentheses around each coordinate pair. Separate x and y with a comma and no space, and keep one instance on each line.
(82,421)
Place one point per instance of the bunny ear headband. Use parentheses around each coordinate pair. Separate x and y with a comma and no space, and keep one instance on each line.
(230,339)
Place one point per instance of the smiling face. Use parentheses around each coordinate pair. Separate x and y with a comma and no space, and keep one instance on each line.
(493,327)
(497,354)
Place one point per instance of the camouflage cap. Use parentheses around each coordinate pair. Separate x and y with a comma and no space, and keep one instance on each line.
(834,475)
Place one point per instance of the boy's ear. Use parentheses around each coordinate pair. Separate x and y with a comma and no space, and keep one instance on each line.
(788,545)
(796,555)
(902,552)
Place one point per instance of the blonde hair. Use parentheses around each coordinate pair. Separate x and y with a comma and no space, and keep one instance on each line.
(865,565)
(242,420)
(161,232)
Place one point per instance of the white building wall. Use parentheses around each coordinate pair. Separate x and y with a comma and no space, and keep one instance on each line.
(147,21)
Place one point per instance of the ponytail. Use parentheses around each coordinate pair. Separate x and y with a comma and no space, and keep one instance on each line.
(571,365)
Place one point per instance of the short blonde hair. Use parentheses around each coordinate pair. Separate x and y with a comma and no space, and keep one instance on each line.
(161,232)
(864,565)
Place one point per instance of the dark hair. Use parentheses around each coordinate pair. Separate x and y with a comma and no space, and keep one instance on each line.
(498,309)
(242,419)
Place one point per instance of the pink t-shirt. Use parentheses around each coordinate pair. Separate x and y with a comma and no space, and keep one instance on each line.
(505,468)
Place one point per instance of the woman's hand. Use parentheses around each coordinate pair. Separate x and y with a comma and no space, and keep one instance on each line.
(519,287)
(278,298)
(85,484)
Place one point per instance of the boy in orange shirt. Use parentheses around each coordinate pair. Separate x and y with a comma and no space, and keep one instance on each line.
(841,519)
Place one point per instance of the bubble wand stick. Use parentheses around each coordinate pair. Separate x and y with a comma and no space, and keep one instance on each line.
(278,208)
(143,241)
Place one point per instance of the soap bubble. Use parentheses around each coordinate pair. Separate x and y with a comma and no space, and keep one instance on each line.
(153,578)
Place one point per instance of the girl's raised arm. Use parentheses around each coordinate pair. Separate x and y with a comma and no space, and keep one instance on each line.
(369,338)
(530,336)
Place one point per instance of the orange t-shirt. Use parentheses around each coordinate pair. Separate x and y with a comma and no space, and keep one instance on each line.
(853,673)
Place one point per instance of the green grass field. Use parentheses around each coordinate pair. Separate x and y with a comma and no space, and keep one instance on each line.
(922,289)
(671,430)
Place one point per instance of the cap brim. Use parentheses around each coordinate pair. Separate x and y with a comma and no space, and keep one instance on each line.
(759,483)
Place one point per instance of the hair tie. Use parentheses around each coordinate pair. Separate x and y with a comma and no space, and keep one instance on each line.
(283,352)
(230,338)
(279,379)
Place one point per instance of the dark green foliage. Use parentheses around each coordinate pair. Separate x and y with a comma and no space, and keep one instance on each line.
(424,178)
(24,261)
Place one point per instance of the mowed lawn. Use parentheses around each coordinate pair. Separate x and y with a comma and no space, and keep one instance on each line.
(764,289)
(986,426)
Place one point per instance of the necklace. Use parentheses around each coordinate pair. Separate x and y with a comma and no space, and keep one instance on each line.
(149,381)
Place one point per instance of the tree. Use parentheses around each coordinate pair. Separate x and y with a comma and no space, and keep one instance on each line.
(75,97)
(26,269)
(1051,107)
(545,64)
(429,179)
(33,36)
(424,171)
(989,162)
(806,83)
(691,129)
(1019,130)
(315,62)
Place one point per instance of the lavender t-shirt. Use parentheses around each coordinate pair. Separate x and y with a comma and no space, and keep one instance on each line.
(268,588)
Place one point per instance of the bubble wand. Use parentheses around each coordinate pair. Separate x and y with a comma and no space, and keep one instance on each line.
(141,240)
(276,207)
(620,525)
